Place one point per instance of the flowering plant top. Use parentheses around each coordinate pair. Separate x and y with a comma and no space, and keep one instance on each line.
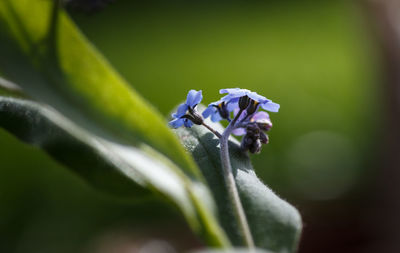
(240,107)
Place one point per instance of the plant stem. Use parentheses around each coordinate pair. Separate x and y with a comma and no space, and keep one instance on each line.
(212,130)
(232,189)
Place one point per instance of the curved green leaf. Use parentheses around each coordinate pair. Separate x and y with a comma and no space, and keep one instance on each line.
(43,52)
(274,223)
(123,170)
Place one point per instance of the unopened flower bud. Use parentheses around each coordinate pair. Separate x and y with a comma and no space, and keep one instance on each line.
(264,138)
(255,148)
(244,102)
(253,130)
(264,125)
(247,141)
(223,111)
(252,107)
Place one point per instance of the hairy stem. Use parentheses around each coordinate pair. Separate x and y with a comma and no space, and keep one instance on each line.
(212,130)
(232,189)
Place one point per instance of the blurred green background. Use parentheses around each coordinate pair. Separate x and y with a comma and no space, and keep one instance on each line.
(315,58)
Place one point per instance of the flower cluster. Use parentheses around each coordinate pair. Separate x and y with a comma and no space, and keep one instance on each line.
(240,107)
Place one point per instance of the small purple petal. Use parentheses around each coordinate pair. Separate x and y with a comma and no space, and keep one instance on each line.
(194,97)
(226,98)
(260,116)
(175,123)
(190,96)
(256,97)
(228,90)
(270,106)
(239,131)
(215,117)
(232,104)
(181,110)
(233,93)
(208,111)
(231,98)
(187,123)
(197,99)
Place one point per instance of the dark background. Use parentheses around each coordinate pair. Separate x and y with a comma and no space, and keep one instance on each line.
(330,151)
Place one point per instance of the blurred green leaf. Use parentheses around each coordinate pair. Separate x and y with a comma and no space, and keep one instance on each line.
(274,223)
(107,165)
(44,53)
(51,60)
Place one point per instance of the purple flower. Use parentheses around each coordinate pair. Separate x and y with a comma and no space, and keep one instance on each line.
(181,117)
(260,118)
(219,110)
(235,93)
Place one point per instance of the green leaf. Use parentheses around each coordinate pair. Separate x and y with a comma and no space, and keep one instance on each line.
(274,223)
(44,53)
(125,171)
